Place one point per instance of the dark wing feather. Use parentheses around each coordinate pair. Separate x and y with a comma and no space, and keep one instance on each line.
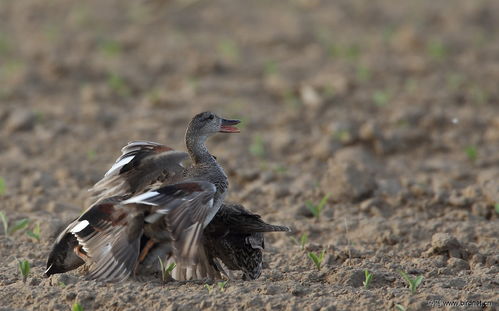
(186,208)
(236,218)
(141,165)
(109,233)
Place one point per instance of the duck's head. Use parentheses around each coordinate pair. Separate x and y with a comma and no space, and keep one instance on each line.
(207,123)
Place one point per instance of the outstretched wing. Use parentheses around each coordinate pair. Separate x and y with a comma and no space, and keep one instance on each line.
(141,164)
(186,208)
(109,236)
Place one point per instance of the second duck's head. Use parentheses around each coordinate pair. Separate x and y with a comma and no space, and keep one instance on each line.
(207,123)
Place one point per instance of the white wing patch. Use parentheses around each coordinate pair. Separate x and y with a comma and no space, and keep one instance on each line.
(80,226)
(140,199)
(118,165)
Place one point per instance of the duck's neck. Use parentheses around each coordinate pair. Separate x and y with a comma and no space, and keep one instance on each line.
(197,149)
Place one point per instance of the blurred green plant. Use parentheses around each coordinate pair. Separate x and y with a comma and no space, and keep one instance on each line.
(76,307)
(3,186)
(411,85)
(5,223)
(455,81)
(4,44)
(343,136)
(317,259)
(110,48)
(229,50)
(350,52)
(91,154)
(270,68)
(221,285)
(363,73)
(399,307)
(497,208)
(478,95)
(380,98)
(51,32)
(291,100)
(280,169)
(24,269)
(412,282)
(302,241)
(18,225)
(316,209)
(436,50)
(257,146)
(368,278)
(35,233)
(166,271)
(208,287)
(471,153)
(118,84)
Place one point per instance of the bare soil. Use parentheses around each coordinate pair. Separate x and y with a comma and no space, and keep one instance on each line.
(391,107)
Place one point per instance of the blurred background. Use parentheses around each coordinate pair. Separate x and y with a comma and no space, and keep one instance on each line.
(384,113)
(78,79)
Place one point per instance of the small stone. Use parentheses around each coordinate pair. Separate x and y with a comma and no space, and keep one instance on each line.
(310,97)
(303,211)
(20,120)
(349,181)
(444,241)
(489,181)
(458,264)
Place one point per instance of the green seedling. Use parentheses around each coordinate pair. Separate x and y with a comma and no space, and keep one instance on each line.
(317,259)
(61,284)
(381,98)
(413,282)
(166,271)
(471,152)
(280,169)
(368,279)
(349,52)
(208,287)
(302,241)
(4,44)
(229,50)
(291,100)
(436,50)
(76,307)
(478,95)
(399,307)
(221,285)
(118,84)
(270,68)
(110,48)
(35,233)
(343,136)
(19,225)
(363,73)
(257,147)
(91,154)
(3,186)
(5,223)
(316,209)
(24,268)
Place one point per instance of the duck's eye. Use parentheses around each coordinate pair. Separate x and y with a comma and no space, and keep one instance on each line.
(210,117)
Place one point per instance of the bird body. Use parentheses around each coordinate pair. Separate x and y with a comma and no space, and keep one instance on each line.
(149,193)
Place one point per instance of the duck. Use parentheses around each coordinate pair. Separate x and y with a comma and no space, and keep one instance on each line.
(150,194)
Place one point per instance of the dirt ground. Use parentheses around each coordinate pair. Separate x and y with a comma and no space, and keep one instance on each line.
(390,107)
